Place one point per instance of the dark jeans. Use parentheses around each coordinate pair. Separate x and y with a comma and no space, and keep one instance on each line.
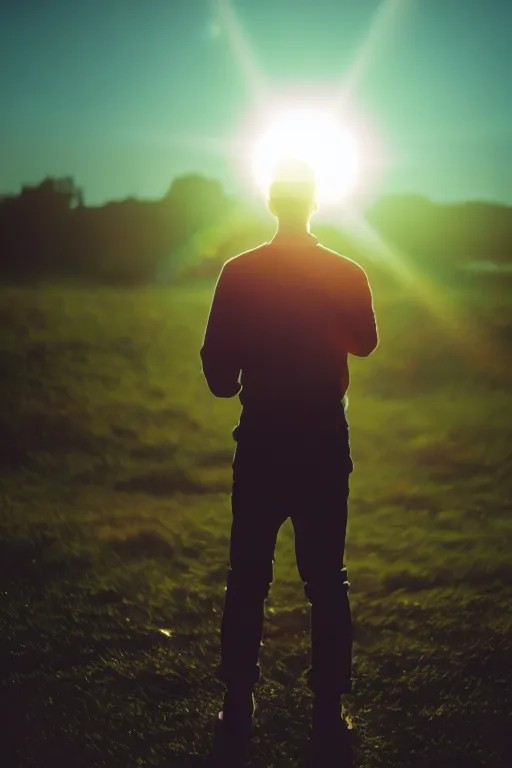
(308,481)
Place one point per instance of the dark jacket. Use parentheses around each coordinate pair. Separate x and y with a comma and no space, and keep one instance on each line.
(283,319)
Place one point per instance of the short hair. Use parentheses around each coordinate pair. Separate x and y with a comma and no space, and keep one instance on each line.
(293,188)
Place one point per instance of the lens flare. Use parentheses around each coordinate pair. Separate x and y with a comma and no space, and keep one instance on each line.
(315,138)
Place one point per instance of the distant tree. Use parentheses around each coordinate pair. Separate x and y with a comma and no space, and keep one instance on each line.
(444,237)
(34,228)
(195,202)
(53,195)
(48,231)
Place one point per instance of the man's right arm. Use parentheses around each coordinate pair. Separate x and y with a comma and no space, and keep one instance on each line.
(359,323)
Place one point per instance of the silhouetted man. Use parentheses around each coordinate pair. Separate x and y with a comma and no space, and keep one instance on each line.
(282,321)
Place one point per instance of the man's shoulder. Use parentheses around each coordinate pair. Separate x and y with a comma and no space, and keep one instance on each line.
(335,256)
(341,262)
(245,257)
(242,264)
(246,262)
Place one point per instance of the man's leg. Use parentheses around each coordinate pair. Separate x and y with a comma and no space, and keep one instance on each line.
(320,522)
(255,526)
(256,522)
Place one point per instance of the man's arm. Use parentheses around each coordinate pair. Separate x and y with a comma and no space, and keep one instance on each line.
(220,350)
(360,326)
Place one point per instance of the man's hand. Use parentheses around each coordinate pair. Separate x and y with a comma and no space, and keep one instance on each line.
(358,317)
(220,350)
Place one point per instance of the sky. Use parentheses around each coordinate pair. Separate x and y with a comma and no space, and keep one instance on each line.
(125,95)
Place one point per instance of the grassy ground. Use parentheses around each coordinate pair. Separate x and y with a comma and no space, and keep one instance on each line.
(115,518)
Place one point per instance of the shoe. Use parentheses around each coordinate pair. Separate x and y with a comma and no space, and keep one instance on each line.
(331,735)
(232,731)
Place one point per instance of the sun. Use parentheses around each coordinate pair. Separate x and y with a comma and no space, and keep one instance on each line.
(315,138)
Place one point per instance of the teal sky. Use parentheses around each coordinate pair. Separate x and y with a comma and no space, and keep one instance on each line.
(124,95)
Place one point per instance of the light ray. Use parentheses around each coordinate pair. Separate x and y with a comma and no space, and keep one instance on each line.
(242,50)
(218,241)
(384,19)
(476,345)
(212,145)
(315,138)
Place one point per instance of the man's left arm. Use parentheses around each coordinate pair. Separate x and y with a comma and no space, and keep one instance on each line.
(220,350)
(359,325)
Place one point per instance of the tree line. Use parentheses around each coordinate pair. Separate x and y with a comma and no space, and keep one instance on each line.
(46,232)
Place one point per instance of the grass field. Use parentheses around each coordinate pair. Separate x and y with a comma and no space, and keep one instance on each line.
(115,513)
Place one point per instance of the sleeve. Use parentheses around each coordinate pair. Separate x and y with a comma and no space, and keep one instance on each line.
(220,350)
(359,322)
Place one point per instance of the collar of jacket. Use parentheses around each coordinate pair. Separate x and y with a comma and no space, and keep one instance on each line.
(299,240)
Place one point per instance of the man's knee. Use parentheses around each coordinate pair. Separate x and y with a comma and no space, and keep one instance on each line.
(326,586)
(250,580)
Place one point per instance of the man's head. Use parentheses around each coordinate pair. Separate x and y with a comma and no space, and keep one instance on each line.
(292,194)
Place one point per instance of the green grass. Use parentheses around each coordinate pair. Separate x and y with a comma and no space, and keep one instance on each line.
(115,513)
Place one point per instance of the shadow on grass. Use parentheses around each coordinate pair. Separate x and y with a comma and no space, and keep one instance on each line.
(159,452)
(78,685)
(27,433)
(445,576)
(143,544)
(31,564)
(163,483)
(191,762)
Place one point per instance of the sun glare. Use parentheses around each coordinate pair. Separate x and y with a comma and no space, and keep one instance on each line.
(315,138)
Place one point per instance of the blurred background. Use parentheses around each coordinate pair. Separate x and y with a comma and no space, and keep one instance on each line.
(128,138)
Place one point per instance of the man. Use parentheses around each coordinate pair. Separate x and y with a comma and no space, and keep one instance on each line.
(283,319)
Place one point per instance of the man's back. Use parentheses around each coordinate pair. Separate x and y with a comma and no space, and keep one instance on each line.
(286,314)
